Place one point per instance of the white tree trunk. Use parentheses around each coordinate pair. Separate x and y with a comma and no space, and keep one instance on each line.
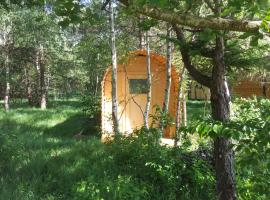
(7,89)
(178,119)
(168,74)
(142,37)
(43,103)
(6,38)
(184,108)
(149,83)
(114,73)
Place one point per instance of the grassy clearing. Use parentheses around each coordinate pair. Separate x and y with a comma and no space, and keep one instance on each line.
(38,150)
(41,159)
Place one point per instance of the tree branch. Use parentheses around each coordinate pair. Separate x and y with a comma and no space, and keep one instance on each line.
(195,73)
(216,23)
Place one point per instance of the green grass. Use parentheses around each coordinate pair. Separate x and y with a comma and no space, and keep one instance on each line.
(39,154)
(41,159)
(197,110)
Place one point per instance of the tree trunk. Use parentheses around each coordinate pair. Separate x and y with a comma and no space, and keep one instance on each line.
(184,107)
(96,86)
(149,84)
(178,118)
(7,88)
(220,103)
(42,79)
(142,37)
(6,34)
(28,87)
(114,73)
(168,71)
(168,75)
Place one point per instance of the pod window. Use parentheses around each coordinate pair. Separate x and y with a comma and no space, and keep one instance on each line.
(138,86)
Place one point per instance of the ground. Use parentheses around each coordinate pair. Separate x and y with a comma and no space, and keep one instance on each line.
(41,157)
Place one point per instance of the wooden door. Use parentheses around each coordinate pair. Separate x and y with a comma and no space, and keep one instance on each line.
(136,101)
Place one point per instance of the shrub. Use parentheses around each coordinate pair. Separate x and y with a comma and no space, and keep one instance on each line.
(160,172)
(249,130)
(91,106)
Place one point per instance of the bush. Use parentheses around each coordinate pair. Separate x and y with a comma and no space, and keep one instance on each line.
(158,172)
(91,105)
(252,119)
(249,130)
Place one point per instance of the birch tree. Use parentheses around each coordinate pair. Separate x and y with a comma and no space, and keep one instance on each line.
(168,73)
(114,72)
(149,83)
(178,118)
(43,91)
(6,35)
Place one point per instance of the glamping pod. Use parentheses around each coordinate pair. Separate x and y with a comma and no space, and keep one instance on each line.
(132,92)
(252,87)
(198,91)
(246,88)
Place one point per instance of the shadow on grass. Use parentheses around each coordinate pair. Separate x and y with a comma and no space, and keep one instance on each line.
(64,103)
(75,124)
(197,110)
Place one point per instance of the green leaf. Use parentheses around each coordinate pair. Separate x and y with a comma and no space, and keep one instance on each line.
(254,41)
(65,23)
(207,35)
(217,128)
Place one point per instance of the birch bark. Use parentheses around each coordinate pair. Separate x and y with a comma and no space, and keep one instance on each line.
(114,73)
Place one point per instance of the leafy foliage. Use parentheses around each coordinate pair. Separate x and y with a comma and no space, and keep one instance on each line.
(250,133)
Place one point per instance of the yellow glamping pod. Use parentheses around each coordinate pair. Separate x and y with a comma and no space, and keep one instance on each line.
(132,92)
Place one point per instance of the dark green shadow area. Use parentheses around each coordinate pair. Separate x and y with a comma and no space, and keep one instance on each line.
(76,124)
(198,110)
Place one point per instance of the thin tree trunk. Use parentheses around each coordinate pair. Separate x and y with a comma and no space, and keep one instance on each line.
(28,87)
(142,37)
(7,65)
(114,73)
(184,107)
(97,84)
(42,79)
(149,84)
(168,76)
(178,118)
(48,82)
(7,88)
(168,72)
